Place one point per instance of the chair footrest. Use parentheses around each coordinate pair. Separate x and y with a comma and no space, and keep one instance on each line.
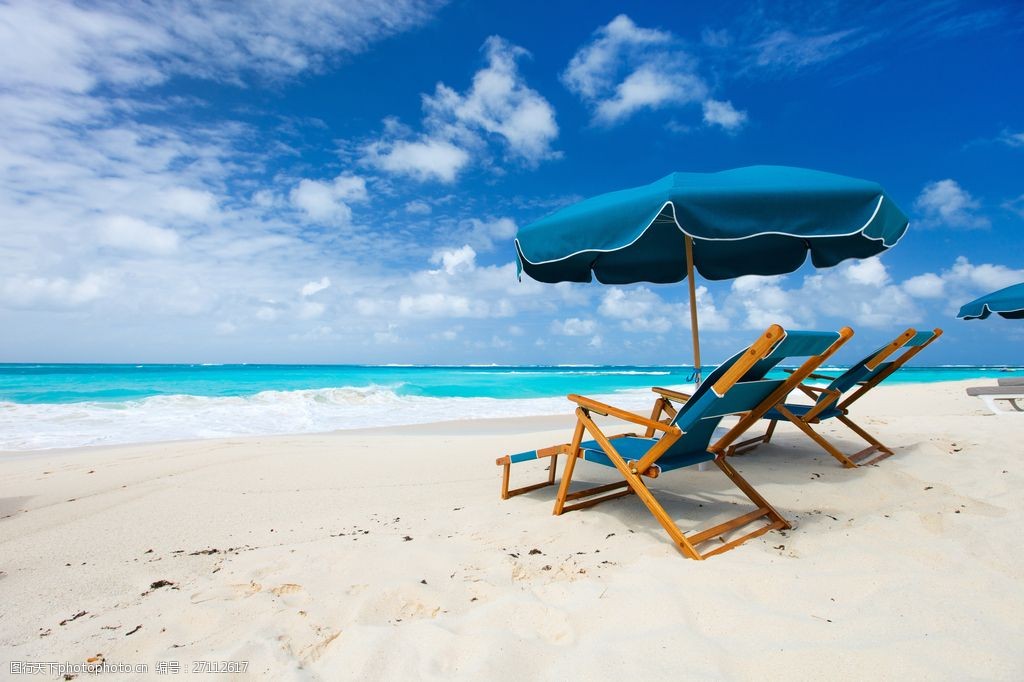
(868,451)
(595,491)
(596,500)
(738,522)
(526,489)
(775,525)
(745,446)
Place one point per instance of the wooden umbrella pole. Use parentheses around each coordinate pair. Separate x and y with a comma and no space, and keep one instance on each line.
(693,309)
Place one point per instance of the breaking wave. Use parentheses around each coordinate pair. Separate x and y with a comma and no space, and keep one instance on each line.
(185,417)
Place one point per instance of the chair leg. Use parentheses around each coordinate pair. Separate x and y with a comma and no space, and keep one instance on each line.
(750,491)
(659,513)
(506,472)
(876,445)
(570,463)
(813,435)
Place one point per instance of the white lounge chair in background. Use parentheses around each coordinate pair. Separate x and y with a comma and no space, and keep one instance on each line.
(1011,391)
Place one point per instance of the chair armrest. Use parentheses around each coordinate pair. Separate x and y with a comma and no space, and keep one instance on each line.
(669,393)
(608,410)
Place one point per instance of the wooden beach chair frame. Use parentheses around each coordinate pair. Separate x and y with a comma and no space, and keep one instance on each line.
(633,471)
(828,398)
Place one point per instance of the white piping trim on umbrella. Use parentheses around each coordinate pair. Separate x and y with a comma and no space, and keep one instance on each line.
(878,206)
(986,306)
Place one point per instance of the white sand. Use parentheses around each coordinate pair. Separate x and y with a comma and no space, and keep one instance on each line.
(388,555)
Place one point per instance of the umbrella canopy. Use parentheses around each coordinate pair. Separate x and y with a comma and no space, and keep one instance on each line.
(759,220)
(1008,302)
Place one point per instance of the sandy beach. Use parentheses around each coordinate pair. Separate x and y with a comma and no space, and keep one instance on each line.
(387,554)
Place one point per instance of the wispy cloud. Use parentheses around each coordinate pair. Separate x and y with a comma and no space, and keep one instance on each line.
(134,210)
(1015,205)
(1012,139)
(74,47)
(783,39)
(788,50)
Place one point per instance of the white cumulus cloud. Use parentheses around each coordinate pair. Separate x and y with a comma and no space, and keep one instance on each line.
(327,203)
(499,106)
(428,158)
(453,261)
(945,202)
(574,326)
(723,114)
(962,282)
(927,285)
(310,288)
(626,68)
(132,234)
(52,292)
(440,305)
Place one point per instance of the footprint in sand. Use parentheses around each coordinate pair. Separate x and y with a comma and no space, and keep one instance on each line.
(226,592)
(286,588)
(315,650)
(536,621)
(305,650)
(396,606)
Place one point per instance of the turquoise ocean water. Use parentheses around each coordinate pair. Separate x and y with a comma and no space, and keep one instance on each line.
(64,405)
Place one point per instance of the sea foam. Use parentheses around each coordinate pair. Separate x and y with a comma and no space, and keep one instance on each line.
(184,417)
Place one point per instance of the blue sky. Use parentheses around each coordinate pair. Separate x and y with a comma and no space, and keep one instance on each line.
(340,182)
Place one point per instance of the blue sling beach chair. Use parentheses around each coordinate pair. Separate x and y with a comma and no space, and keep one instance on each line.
(737,387)
(864,375)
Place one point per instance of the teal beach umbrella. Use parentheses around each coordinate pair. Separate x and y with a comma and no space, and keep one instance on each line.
(1008,303)
(759,220)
